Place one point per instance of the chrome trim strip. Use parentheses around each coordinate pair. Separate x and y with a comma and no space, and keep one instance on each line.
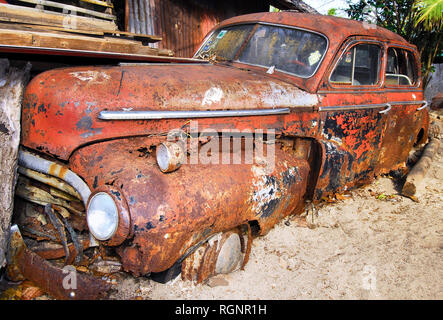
(352,107)
(370,90)
(369,106)
(157,115)
(407,102)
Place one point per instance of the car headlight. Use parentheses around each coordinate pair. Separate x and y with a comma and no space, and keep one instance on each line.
(170,156)
(102,216)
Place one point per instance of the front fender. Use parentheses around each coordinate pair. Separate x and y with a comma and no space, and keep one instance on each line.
(174,211)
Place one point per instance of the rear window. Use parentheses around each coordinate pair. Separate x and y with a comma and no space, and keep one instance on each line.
(401,69)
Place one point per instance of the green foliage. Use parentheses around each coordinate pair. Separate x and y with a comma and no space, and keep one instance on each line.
(332,12)
(430,13)
(419,22)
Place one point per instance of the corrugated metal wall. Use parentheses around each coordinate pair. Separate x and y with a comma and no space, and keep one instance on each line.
(183,24)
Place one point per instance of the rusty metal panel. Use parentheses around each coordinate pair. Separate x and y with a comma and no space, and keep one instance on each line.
(25,264)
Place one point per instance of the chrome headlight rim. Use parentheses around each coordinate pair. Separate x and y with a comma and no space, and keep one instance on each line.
(169,156)
(115,216)
(123,228)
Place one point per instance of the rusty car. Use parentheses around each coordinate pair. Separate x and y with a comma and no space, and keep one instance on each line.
(175,166)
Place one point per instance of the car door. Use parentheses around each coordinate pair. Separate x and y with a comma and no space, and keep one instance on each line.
(404,95)
(353,114)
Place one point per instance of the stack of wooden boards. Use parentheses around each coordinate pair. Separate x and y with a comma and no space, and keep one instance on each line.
(75,28)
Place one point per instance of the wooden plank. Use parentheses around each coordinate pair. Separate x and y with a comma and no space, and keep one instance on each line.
(100,3)
(15,34)
(95,54)
(73,42)
(12,13)
(143,37)
(36,27)
(71,8)
(15,38)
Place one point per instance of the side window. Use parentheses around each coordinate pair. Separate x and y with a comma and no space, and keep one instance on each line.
(401,69)
(359,66)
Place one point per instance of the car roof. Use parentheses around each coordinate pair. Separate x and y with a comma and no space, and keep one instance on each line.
(335,28)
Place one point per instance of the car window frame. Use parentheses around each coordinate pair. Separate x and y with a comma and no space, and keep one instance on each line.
(417,67)
(256,24)
(349,45)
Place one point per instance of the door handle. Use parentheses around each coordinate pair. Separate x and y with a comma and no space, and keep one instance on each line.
(422,107)
(387,109)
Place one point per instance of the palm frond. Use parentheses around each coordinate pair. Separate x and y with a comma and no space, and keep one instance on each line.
(430,13)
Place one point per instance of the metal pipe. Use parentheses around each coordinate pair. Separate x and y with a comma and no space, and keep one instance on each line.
(155,115)
(28,160)
(49,180)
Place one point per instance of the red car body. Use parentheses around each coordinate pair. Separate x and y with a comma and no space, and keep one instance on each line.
(332,135)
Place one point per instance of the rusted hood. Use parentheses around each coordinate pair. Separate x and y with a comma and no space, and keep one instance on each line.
(61,106)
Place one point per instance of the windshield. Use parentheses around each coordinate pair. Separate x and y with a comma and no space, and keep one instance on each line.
(285,49)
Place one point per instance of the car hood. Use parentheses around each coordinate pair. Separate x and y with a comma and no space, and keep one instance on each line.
(61,106)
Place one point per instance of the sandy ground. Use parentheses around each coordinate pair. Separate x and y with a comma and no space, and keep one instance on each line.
(362,247)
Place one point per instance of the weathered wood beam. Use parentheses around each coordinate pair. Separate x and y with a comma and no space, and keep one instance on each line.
(418,172)
(12,13)
(66,7)
(100,3)
(73,41)
(12,83)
